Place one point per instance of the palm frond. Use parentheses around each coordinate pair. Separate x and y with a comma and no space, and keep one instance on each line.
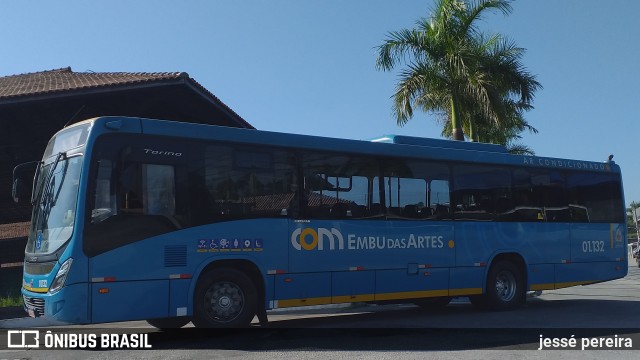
(451,68)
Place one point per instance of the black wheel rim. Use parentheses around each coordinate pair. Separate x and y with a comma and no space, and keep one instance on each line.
(506,286)
(224,302)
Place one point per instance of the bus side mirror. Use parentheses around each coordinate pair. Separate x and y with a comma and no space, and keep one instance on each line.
(20,190)
(17,190)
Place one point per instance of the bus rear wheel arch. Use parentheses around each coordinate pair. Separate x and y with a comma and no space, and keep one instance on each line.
(224,298)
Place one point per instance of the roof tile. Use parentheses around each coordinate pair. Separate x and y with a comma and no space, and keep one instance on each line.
(65,79)
(62,80)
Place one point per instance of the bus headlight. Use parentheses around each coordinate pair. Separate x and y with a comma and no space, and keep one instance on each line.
(61,276)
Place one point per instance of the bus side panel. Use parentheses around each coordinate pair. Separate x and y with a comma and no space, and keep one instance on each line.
(541,277)
(269,291)
(179,297)
(598,242)
(303,289)
(587,273)
(404,284)
(144,299)
(370,245)
(467,281)
(477,242)
(352,286)
(68,305)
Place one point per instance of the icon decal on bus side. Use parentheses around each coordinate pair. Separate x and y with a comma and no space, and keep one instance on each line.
(226,245)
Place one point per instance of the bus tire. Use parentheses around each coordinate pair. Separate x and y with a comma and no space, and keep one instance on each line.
(169,323)
(505,287)
(224,298)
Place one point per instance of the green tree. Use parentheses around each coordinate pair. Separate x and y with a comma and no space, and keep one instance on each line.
(632,218)
(476,82)
(507,135)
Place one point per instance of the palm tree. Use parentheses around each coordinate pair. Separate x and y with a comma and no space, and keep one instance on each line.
(632,223)
(508,135)
(632,209)
(455,70)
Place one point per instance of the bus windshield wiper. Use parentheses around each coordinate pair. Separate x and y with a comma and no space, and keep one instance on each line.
(64,175)
(36,184)
(45,183)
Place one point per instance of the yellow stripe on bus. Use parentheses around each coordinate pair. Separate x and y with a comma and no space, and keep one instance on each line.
(304,302)
(574,283)
(465,292)
(554,286)
(377,297)
(411,294)
(35,289)
(536,287)
(352,298)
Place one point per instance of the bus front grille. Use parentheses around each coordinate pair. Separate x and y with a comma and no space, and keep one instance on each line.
(34,304)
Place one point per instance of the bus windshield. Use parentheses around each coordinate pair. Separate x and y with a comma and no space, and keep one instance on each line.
(55,198)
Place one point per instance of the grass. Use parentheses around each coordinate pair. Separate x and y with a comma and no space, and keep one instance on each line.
(10,285)
(11,300)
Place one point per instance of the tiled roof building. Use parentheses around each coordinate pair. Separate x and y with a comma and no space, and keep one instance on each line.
(66,83)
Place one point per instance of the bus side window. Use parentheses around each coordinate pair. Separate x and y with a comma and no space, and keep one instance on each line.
(105,199)
(595,197)
(139,205)
(158,187)
(481,190)
(416,190)
(129,189)
(335,186)
(438,206)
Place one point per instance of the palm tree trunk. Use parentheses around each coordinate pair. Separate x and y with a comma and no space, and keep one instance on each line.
(473,132)
(456,122)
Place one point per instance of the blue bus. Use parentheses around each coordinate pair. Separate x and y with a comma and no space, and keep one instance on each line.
(141,219)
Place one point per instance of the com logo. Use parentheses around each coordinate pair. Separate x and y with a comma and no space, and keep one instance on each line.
(312,239)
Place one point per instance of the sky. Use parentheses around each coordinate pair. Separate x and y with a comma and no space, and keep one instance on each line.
(308,66)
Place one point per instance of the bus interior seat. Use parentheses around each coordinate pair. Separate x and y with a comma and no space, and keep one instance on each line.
(410,211)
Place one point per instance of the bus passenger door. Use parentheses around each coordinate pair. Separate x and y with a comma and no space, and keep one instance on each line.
(414,261)
(129,241)
(415,246)
(308,280)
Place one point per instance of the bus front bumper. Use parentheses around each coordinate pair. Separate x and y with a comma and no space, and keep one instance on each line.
(69,305)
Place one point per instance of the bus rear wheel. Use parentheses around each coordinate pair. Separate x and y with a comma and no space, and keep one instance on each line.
(505,287)
(224,298)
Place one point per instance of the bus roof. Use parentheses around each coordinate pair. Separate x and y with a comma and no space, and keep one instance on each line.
(390,145)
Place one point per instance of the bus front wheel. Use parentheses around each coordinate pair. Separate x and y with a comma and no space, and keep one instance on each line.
(505,287)
(224,298)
